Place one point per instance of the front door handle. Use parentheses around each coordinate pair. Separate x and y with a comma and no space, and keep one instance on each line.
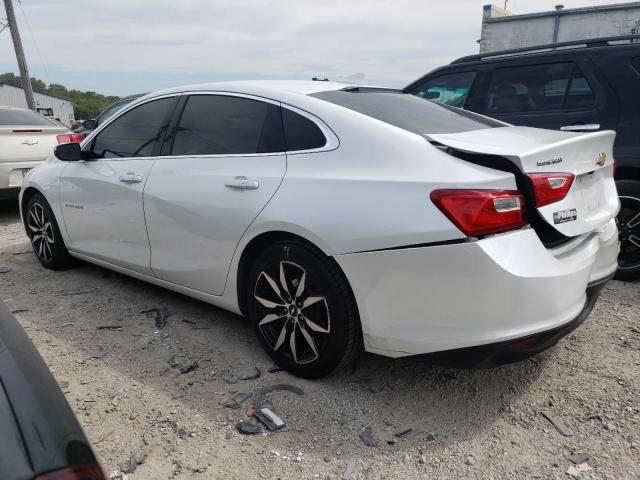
(242,183)
(130,177)
(589,127)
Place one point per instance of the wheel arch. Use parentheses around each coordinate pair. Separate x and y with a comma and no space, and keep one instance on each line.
(259,244)
(26,196)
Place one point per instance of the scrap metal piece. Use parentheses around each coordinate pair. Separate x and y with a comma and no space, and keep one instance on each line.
(558,423)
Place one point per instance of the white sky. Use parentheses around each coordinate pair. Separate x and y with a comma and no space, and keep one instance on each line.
(125,46)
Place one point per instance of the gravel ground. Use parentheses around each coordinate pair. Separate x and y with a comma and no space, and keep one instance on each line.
(161,397)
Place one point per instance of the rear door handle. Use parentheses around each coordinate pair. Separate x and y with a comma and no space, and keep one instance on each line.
(130,177)
(242,183)
(589,127)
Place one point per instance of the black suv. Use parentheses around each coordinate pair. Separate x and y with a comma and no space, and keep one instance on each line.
(584,85)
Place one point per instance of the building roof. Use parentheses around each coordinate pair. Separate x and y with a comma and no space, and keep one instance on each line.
(564,11)
(4,84)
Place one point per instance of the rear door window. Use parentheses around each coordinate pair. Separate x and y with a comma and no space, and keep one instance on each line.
(538,88)
(448,89)
(228,125)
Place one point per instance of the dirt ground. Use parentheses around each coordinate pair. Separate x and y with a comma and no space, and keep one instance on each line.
(159,400)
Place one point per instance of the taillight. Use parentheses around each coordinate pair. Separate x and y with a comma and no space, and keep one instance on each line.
(79,472)
(550,187)
(481,212)
(70,138)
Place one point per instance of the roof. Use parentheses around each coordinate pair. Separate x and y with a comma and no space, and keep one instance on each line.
(565,11)
(265,88)
(2,84)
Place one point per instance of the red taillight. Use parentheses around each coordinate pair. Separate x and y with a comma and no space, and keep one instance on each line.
(550,187)
(79,472)
(613,162)
(481,212)
(69,138)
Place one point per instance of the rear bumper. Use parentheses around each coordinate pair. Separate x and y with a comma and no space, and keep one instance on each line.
(11,173)
(421,300)
(517,349)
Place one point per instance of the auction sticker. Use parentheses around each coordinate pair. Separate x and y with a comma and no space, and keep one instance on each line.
(565,216)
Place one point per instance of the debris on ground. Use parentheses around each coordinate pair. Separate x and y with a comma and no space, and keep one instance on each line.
(272,388)
(576,470)
(369,474)
(159,315)
(349,469)
(189,368)
(268,418)
(4,269)
(557,422)
(136,459)
(366,436)
(238,399)
(416,434)
(248,428)
(250,375)
(117,396)
(579,458)
(108,327)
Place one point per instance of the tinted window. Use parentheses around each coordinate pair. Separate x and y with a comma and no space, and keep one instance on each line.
(537,88)
(222,125)
(10,116)
(406,111)
(635,63)
(113,109)
(300,132)
(133,134)
(450,89)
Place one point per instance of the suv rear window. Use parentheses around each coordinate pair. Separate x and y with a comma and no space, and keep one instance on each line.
(406,111)
(10,116)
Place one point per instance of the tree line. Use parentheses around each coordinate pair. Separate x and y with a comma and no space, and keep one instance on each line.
(85,104)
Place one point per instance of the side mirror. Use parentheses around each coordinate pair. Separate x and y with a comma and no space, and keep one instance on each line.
(89,124)
(432,95)
(68,152)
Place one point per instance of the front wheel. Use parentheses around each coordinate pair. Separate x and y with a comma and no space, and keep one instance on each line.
(303,310)
(44,233)
(629,228)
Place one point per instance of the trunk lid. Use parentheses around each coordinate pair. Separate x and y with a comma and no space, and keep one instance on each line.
(28,142)
(592,199)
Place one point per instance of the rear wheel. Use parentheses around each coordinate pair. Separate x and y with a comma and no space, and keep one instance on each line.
(44,233)
(629,227)
(303,310)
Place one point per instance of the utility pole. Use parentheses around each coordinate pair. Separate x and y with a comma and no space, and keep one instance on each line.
(22,62)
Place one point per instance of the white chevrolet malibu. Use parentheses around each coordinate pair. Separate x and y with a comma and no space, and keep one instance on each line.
(338,218)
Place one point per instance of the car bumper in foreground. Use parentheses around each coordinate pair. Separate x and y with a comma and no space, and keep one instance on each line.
(504,288)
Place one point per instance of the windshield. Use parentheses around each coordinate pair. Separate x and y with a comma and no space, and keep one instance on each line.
(16,116)
(406,111)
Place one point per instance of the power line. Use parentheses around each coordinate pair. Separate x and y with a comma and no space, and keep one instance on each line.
(35,44)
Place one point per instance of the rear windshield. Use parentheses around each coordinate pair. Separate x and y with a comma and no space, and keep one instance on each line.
(9,116)
(407,111)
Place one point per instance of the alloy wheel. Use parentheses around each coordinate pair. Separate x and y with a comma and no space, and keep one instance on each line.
(629,228)
(295,319)
(41,230)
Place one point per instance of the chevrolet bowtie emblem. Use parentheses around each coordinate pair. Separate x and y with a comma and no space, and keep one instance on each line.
(602,158)
(30,141)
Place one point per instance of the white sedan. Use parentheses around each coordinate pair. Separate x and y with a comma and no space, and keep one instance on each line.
(26,140)
(338,218)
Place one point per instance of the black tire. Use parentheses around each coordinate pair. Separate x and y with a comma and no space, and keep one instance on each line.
(330,317)
(629,228)
(40,220)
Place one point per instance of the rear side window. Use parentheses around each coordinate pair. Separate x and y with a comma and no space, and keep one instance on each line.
(226,125)
(133,134)
(538,88)
(406,111)
(448,89)
(10,116)
(300,132)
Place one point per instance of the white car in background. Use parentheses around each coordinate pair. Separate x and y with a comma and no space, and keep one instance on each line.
(26,140)
(340,217)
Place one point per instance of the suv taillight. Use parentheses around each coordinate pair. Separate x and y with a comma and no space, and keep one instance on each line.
(481,212)
(69,138)
(79,472)
(550,187)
